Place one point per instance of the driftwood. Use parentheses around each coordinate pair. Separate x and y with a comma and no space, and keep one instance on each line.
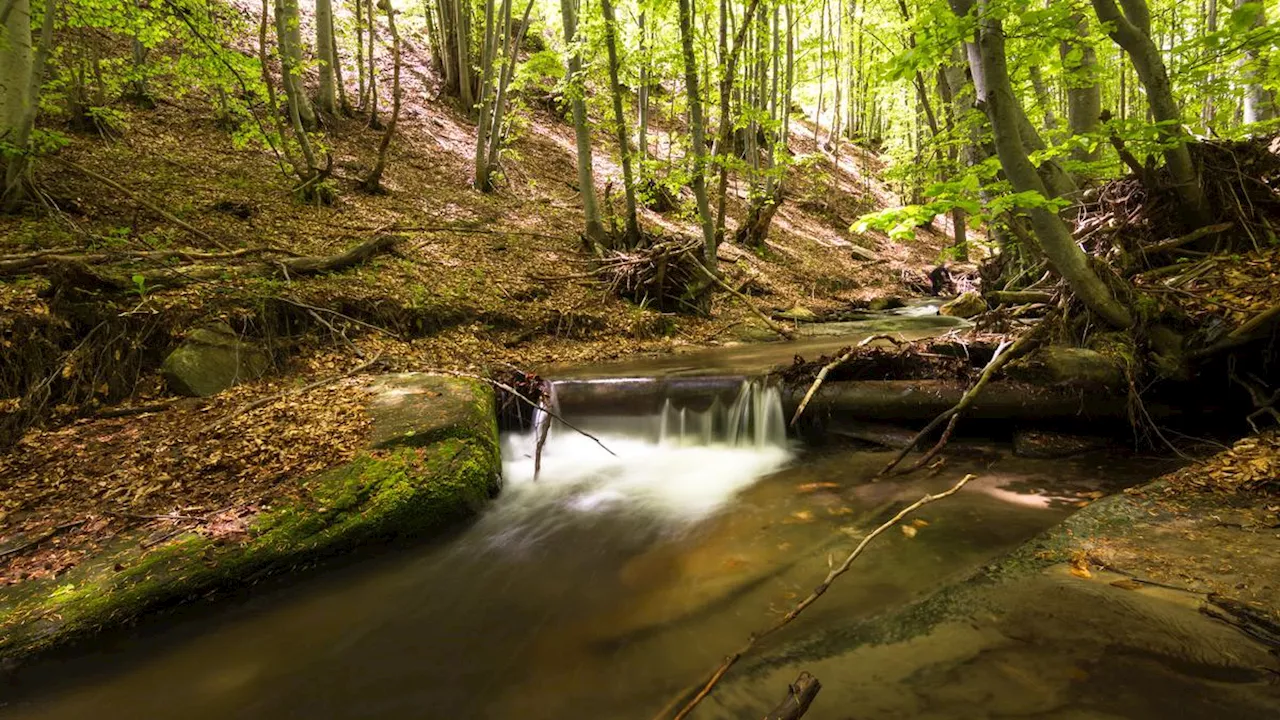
(800,695)
(705,689)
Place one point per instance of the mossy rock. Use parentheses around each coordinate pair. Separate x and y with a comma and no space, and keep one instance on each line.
(385,494)
(212,359)
(966,306)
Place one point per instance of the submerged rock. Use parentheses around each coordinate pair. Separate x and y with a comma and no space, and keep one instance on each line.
(212,359)
(1051,445)
(967,305)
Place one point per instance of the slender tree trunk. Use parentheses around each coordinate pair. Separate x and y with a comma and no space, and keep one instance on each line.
(289,39)
(461,10)
(620,121)
(594,230)
(1131,30)
(327,95)
(373,183)
(362,98)
(696,130)
(1207,109)
(500,102)
(1259,104)
(1054,237)
(642,97)
(1084,87)
(822,63)
(1043,98)
(20,102)
(374,121)
(343,102)
(724,144)
(491,34)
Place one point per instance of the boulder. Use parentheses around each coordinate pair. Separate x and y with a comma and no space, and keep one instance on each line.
(967,305)
(881,304)
(799,313)
(212,359)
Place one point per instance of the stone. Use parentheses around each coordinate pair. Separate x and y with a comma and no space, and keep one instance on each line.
(966,306)
(212,359)
(1044,444)
(881,304)
(418,409)
(799,313)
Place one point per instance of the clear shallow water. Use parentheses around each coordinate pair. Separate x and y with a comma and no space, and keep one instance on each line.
(597,591)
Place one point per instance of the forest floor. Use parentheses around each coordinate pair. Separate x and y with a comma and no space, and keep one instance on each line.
(479,280)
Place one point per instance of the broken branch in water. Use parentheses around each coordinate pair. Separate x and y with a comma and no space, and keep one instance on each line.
(842,359)
(822,587)
(800,695)
(951,415)
(520,396)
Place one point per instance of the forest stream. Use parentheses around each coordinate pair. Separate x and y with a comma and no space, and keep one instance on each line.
(610,582)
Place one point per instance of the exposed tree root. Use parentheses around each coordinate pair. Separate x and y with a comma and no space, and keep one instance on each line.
(705,689)
(800,695)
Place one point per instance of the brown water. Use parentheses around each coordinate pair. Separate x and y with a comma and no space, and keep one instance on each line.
(612,583)
(594,597)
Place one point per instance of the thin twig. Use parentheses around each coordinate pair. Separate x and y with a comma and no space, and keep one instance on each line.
(812,598)
(60,528)
(134,197)
(842,359)
(530,403)
(745,300)
(998,361)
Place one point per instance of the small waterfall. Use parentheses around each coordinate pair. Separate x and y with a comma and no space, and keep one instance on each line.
(677,447)
(752,419)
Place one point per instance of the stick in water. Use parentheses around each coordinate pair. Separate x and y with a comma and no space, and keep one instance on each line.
(822,587)
(822,374)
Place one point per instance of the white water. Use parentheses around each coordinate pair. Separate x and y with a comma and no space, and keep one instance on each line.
(679,464)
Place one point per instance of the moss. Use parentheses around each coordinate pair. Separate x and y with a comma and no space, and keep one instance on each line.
(382,495)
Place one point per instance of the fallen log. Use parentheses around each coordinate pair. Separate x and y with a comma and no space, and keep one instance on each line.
(901,400)
(800,695)
(77,273)
(1018,297)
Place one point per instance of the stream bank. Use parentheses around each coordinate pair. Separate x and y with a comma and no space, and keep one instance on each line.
(432,459)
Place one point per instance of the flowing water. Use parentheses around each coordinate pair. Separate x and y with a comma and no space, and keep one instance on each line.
(616,578)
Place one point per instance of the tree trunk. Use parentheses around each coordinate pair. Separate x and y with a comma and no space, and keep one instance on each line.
(697,130)
(1084,87)
(289,40)
(1055,239)
(500,102)
(17,62)
(594,230)
(1131,30)
(327,96)
(642,97)
(462,11)
(1259,105)
(361,87)
(373,183)
(480,179)
(1043,98)
(632,238)
(24,104)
